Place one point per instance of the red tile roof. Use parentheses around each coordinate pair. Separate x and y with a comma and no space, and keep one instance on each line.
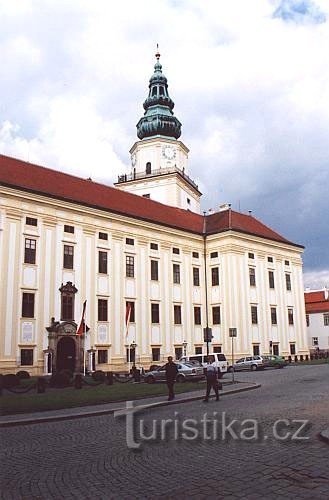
(316,302)
(34,178)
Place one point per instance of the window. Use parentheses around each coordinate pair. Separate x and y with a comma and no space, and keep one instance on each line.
(103,236)
(251,255)
(68,257)
(252,276)
(176,273)
(275,349)
(154,246)
(102,309)
(216,315)
(274,320)
(68,229)
(131,305)
(28,305)
(254,316)
(255,350)
(307,320)
(290,316)
(326,319)
(178,353)
(155,353)
(215,276)
(196,276)
(67,309)
(286,262)
(102,356)
(155,314)
(131,355)
(29,251)
(147,195)
(271,279)
(175,250)
(154,270)
(177,315)
(269,259)
(148,168)
(292,349)
(26,357)
(195,255)
(130,241)
(315,341)
(213,255)
(197,315)
(30,221)
(288,282)
(102,262)
(217,349)
(198,350)
(130,272)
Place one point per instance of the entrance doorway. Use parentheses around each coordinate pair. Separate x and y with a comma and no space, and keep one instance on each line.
(65,359)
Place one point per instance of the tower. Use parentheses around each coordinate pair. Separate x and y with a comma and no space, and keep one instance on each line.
(159,161)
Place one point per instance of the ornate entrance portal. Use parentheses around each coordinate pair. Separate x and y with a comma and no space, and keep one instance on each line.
(65,358)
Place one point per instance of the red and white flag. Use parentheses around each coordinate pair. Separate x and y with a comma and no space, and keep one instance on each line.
(81,327)
(128,313)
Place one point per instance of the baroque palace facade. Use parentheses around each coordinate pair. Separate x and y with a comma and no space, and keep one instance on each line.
(143,247)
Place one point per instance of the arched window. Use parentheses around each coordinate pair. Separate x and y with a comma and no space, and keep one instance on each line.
(154,91)
(161,91)
(67,301)
(148,168)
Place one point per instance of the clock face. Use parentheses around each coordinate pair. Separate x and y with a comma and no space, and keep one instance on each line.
(169,152)
(133,159)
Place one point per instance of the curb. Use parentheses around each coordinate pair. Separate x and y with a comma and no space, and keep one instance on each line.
(109,411)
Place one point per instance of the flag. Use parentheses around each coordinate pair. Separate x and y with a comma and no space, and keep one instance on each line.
(128,313)
(81,327)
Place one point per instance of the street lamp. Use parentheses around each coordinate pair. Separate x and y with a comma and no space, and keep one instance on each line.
(133,346)
(184,344)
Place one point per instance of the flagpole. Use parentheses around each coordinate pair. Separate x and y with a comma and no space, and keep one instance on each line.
(84,349)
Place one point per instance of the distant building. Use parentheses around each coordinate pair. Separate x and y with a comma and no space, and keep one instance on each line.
(317,319)
(154,271)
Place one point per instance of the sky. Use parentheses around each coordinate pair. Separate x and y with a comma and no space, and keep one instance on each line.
(250,82)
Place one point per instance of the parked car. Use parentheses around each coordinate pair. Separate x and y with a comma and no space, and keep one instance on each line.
(248,363)
(274,361)
(186,371)
(201,359)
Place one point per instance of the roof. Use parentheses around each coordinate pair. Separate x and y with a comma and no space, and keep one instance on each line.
(59,185)
(317,301)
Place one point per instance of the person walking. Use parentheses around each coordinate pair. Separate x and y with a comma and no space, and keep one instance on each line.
(171,373)
(211,378)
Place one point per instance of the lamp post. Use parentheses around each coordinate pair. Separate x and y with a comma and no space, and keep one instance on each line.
(184,344)
(133,346)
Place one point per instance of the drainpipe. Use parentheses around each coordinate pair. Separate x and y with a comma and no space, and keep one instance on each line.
(205,276)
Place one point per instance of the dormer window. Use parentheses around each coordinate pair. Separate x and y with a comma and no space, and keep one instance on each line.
(148,168)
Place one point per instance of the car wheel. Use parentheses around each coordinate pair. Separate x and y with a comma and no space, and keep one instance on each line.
(150,379)
(220,374)
(253,368)
(180,378)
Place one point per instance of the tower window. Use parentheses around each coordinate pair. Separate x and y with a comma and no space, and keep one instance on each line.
(161,91)
(154,91)
(148,168)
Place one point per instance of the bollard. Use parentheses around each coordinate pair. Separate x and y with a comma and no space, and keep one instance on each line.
(137,375)
(289,359)
(41,385)
(78,381)
(109,378)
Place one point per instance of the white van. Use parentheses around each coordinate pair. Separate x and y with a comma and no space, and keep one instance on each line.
(220,360)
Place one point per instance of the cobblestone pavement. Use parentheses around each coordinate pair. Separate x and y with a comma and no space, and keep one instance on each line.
(89,458)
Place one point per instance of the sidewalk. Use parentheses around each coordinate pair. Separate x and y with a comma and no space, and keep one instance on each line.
(108,408)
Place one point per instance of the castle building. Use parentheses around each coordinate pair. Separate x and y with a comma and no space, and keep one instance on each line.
(317,319)
(153,271)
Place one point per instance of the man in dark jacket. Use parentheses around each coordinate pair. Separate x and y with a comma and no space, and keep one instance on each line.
(211,377)
(171,372)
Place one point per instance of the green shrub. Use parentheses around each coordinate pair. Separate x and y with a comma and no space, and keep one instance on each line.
(98,376)
(22,375)
(10,380)
(60,380)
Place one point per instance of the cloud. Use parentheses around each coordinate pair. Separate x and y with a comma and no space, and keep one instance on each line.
(299,12)
(316,280)
(251,90)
